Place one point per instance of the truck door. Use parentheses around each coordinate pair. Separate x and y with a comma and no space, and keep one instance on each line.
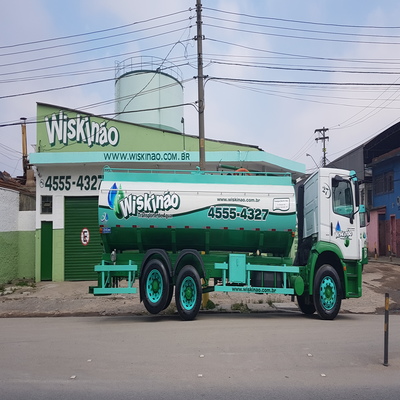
(344,231)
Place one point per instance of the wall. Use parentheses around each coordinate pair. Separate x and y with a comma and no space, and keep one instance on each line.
(354,160)
(392,234)
(26,245)
(77,182)
(9,206)
(387,231)
(372,233)
(17,238)
(389,199)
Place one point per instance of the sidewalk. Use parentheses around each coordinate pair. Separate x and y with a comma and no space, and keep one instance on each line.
(385,260)
(72,299)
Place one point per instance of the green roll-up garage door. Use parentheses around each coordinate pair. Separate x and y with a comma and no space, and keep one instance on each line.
(82,238)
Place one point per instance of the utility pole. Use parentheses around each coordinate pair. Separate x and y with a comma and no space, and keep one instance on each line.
(321,136)
(24,146)
(200,85)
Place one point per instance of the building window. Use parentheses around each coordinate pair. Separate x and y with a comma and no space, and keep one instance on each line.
(47,205)
(384,183)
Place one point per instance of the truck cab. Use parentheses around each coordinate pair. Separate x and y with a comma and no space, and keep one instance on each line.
(330,237)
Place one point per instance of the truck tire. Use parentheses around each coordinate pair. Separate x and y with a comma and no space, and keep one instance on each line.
(306,304)
(188,293)
(154,286)
(327,292)
(169,297)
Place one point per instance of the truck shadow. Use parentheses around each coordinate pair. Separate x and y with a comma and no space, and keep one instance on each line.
(213,316)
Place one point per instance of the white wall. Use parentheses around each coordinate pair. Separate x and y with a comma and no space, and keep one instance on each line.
(9,207)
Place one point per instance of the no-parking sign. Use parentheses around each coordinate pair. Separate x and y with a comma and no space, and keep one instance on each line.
(85,236)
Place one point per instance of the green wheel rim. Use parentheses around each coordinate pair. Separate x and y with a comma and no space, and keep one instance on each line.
(328,293)
(154,286)
(188,293)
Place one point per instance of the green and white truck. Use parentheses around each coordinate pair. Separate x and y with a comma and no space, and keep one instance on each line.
(195,232)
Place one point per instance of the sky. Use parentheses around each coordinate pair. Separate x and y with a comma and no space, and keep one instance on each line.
(275,70)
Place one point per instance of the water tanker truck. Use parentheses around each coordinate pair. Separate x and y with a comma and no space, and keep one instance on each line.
(195,232)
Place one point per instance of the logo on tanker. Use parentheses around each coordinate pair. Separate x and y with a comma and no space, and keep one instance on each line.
(132,204)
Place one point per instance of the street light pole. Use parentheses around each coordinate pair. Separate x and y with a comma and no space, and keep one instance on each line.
(309,155)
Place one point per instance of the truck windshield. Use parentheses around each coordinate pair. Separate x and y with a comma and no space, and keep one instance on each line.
(342,198)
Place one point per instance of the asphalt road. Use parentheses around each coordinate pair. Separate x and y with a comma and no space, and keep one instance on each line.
(218,356)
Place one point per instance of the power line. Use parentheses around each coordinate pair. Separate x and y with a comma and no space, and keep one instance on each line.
(369,137)
(92,32)
(369,115)
(114,56)
(299,21)
(293,55)
(92,49)
(59,75)
(56,88)
(98,103)
(211,61)
(302,83)
(40,119)
(304,148)
(301,97)
(313,31)
(91,40)
(261,61)
(282,68)
(300,37)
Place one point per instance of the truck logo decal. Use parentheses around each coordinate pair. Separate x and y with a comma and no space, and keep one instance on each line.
(344,235)
(134,205)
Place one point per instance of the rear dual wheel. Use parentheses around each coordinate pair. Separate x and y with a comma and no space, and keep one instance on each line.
(306,304)
(188,293)
(155,287)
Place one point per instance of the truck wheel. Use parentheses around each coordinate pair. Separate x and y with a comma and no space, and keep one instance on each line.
(154,286)
(327,292)
(188,293)
(306,304)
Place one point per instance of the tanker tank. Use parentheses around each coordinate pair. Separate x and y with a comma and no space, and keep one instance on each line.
(205,211)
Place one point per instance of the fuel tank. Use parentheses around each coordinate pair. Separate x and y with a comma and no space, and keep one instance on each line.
(206,211)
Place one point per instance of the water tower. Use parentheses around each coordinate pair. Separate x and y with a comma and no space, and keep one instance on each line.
(146,88)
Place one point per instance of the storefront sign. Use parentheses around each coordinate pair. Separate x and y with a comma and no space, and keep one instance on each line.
(80,130)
